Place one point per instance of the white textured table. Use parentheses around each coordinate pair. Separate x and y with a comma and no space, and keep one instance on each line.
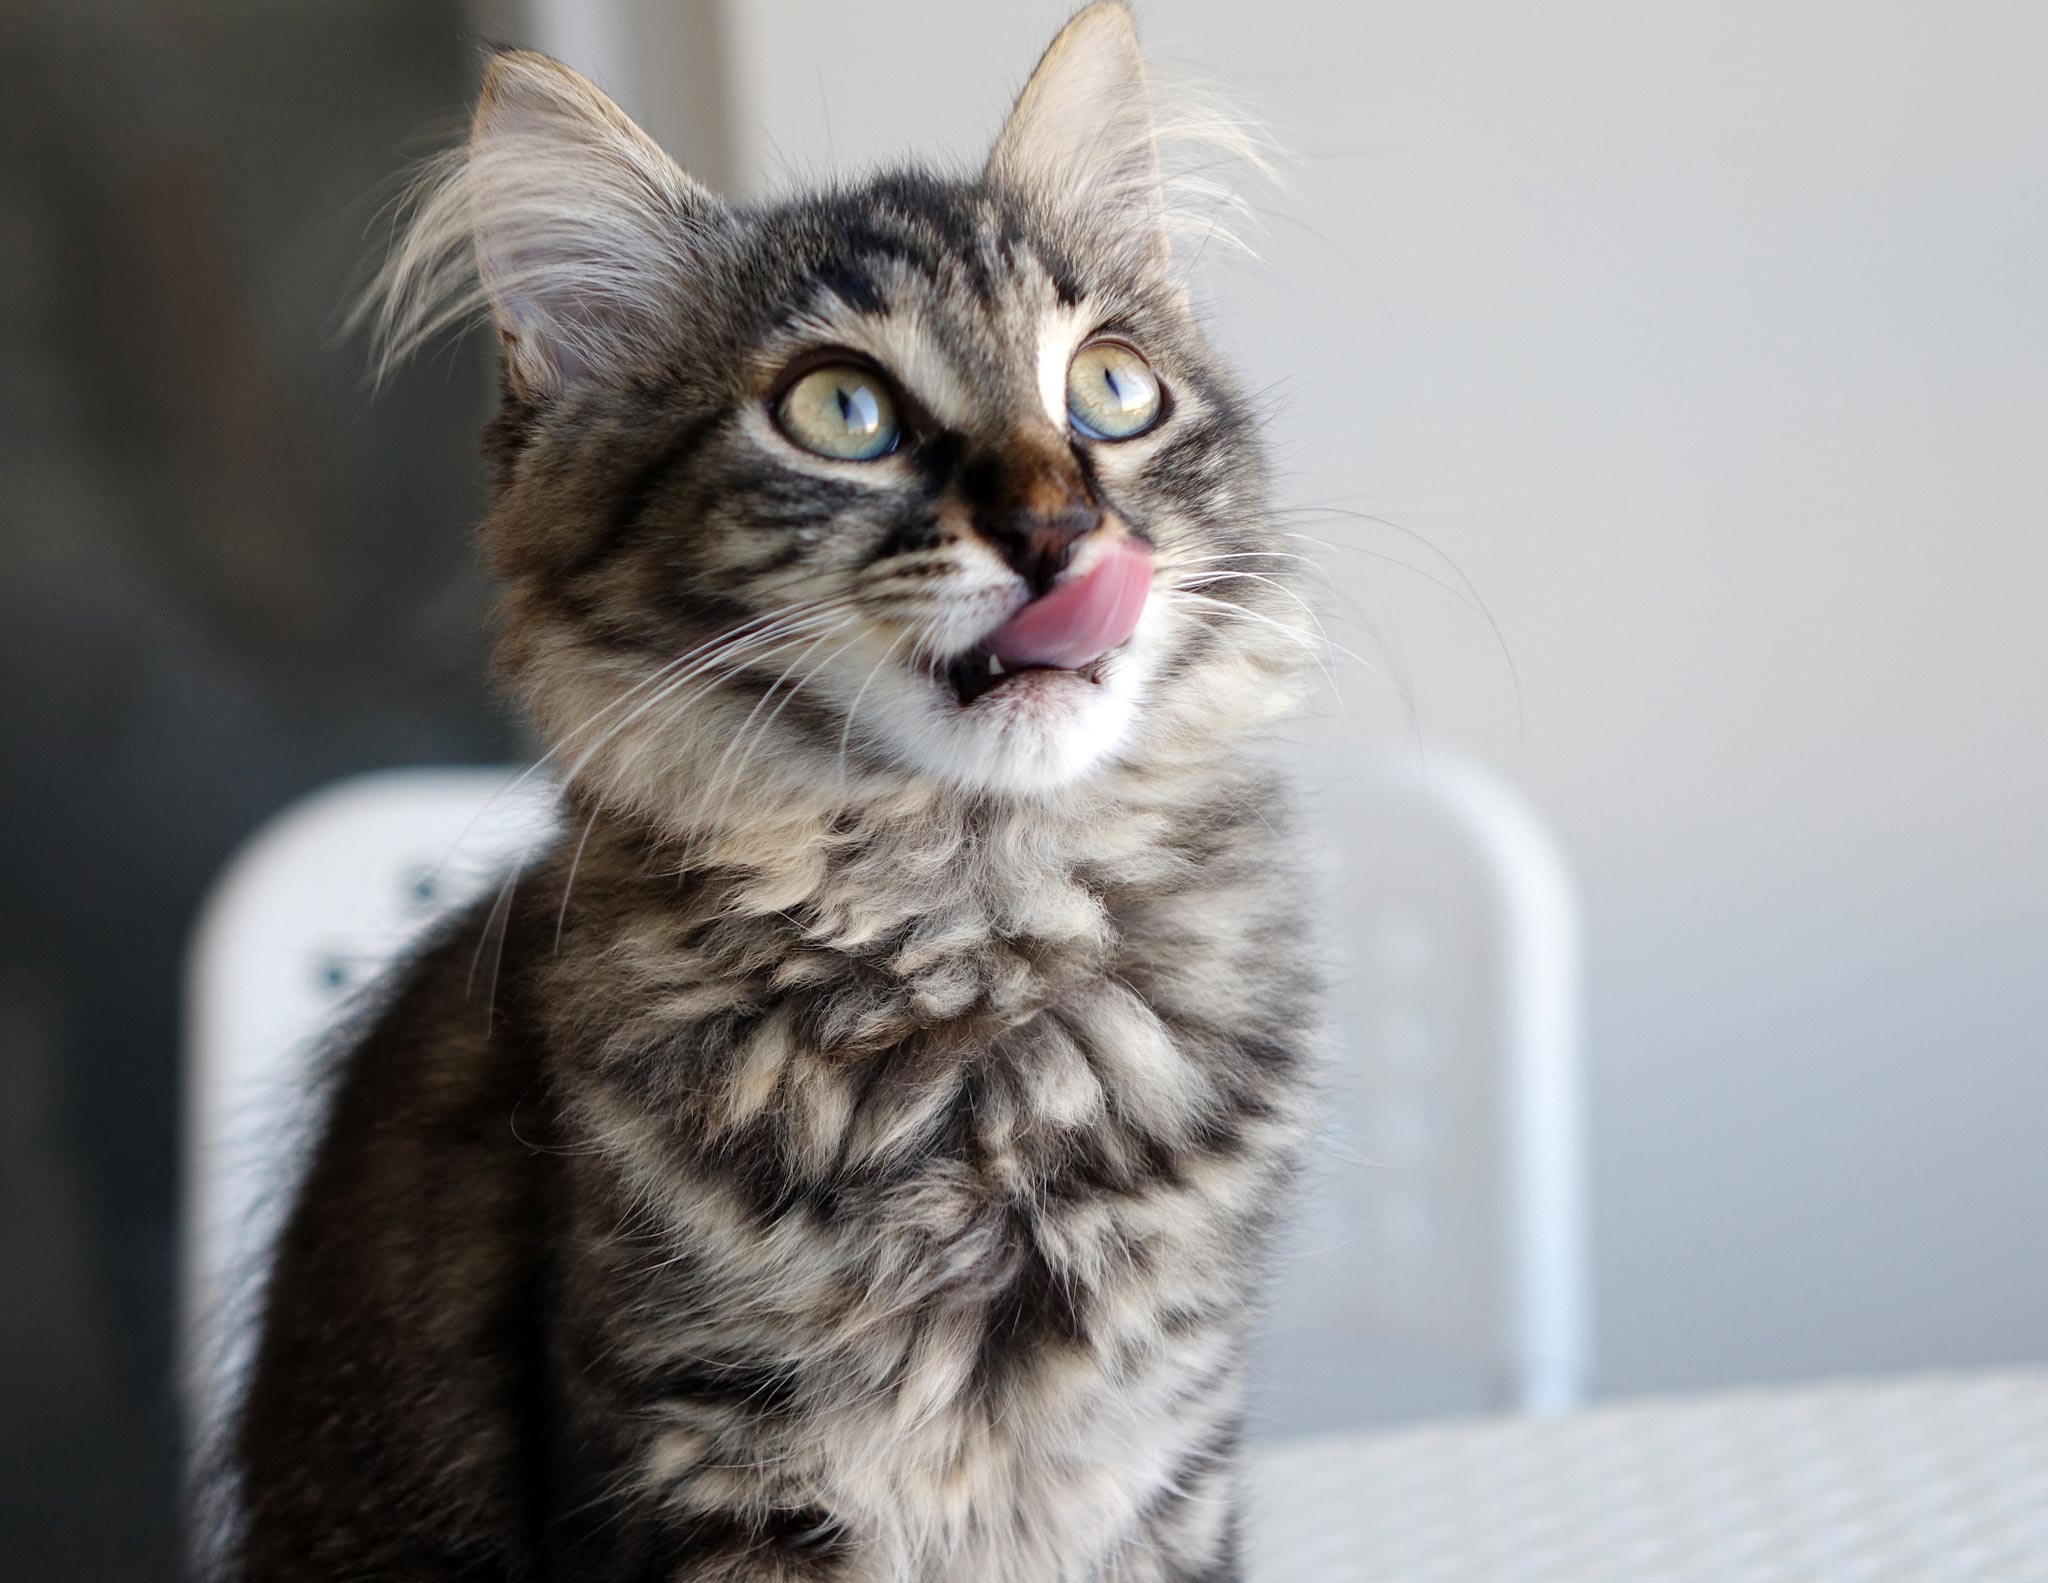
(1924,1480)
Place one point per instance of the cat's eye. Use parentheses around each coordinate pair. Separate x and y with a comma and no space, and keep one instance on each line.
(1112,393)
(842,411)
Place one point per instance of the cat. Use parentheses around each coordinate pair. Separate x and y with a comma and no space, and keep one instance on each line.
(853,1149)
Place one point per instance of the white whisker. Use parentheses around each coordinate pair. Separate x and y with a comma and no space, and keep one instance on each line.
(717,770)
(665,672)
(575,862)
(1229,607)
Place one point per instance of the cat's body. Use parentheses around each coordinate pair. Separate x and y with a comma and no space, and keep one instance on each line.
(722,1246)
(850,1152)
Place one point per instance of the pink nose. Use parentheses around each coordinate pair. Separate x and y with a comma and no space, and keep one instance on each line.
(1080,619)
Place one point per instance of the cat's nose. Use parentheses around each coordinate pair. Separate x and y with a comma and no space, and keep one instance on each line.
(1039,544)
(1038,521)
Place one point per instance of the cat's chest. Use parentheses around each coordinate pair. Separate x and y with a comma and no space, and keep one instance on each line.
(1082,1300)
(998,1277)
(1078,1124)
(1076,1225)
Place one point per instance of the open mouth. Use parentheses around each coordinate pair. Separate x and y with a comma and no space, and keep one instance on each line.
(981,671)
(1072,628)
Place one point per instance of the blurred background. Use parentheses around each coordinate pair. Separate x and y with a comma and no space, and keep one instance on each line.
(1705,348)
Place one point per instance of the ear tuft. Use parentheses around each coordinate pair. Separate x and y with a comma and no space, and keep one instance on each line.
(561,217)
(1093,142)
(1081,137)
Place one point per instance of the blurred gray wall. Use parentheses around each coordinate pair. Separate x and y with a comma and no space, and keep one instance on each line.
(1710,343)
(226,576)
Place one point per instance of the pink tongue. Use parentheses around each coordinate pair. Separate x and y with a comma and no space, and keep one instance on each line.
(1081,620)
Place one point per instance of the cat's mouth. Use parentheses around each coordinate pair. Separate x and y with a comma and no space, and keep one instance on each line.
(981,671)
(1070,630)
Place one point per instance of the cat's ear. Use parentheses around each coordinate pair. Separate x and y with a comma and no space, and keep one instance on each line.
(561,218)
(1081,138)
(585,231)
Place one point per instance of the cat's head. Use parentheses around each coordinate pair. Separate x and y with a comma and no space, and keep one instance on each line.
(923,479)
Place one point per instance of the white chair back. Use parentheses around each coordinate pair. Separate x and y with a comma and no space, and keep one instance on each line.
(1440,1260)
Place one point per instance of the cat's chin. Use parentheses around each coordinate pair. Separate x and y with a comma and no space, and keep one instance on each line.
(1034,730)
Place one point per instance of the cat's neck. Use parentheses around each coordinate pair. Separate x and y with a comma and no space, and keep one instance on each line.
(915,860)
(926,909)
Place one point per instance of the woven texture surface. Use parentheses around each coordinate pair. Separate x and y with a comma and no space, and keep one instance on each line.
(1936,1480)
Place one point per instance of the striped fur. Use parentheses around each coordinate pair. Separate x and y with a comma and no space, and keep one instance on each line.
(851,1152)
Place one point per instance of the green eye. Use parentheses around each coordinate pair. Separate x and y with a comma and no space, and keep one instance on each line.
(1112,392)
(840,411)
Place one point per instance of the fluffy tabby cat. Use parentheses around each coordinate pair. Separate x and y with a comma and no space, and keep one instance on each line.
(852,1151)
